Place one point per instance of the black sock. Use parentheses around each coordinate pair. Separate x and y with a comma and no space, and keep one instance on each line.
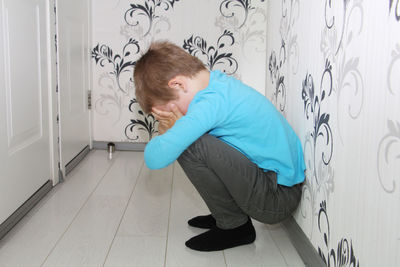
(219,239)
(204,222)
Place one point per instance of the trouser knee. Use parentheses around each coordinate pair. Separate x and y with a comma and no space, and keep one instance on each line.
(198,150)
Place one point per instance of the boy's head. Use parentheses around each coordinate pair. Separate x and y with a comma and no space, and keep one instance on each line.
(156,72)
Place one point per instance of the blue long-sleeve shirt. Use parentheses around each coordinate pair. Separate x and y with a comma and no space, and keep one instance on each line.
(241,117)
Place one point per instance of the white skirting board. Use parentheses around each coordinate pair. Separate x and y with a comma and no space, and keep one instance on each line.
(75,161)
(14,218)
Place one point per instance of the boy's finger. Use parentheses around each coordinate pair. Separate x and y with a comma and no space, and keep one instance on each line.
(161,113)
(157,117)
(176,111)
(161,119)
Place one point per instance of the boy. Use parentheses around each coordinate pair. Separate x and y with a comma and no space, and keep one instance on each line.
(235,147)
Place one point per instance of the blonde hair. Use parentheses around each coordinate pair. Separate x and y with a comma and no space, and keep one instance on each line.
(162,62)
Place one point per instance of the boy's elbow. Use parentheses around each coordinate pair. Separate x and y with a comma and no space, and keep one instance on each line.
(153,165)
(153,161)
(155,157)
(150,162)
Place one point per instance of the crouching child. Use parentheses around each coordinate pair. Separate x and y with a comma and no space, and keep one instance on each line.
(239,152)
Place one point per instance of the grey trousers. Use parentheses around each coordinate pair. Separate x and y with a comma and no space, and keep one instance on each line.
(233,187)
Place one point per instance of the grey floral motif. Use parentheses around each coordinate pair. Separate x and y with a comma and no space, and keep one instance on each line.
(213,56)
(389,157)
(318,147)
(393,79)
(250,34)
(330,21)
(335,41)
(146,15)
(289,47)
(145,122)
(288,52)
(103,54)
(396,9)
(113,100)
(344,254)
(290,14)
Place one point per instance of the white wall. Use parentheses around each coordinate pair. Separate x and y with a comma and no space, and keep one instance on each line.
(235,31)
(338,85)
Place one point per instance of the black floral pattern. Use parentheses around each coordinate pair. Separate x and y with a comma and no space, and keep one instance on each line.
(312,106)
(145,122)
(241,5)
(213,56)
(394,4)
(123,63)
(278,79)
(344,254)
(149,11)
(318,146)
(103,54)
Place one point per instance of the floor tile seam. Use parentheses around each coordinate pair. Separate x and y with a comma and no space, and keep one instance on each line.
(279,249)
(123,214)
(223,254)
(169,212)
(81,172)
(77,213)
(141,235)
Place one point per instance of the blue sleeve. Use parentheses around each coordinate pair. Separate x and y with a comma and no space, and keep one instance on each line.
(201,117)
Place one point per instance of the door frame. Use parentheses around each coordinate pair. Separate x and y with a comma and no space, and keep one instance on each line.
(90,69)
(59,169)
(53,98)
(53,95)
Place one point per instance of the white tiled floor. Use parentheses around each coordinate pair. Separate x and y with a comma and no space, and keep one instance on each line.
(119,213)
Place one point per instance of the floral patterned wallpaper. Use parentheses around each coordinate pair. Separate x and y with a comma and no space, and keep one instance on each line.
(228,35)
(333,71)
(331,67)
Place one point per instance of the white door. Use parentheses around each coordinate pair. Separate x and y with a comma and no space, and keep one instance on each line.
(73,62)
(24,101)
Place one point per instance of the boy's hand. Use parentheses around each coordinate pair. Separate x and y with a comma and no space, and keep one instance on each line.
(167,119)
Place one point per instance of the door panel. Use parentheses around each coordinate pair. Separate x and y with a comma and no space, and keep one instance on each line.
(73,19)
(24,116)
(24,102)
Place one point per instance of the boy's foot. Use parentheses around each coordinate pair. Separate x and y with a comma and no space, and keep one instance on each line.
(219,239)
(204,222)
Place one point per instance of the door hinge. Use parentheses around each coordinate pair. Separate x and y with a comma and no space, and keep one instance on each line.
(58,119)
(90,99)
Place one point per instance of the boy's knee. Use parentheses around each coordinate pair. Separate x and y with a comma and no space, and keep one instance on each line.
(199,149)
(202,146)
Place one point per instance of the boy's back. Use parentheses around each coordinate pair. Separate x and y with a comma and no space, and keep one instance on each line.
(242,118)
